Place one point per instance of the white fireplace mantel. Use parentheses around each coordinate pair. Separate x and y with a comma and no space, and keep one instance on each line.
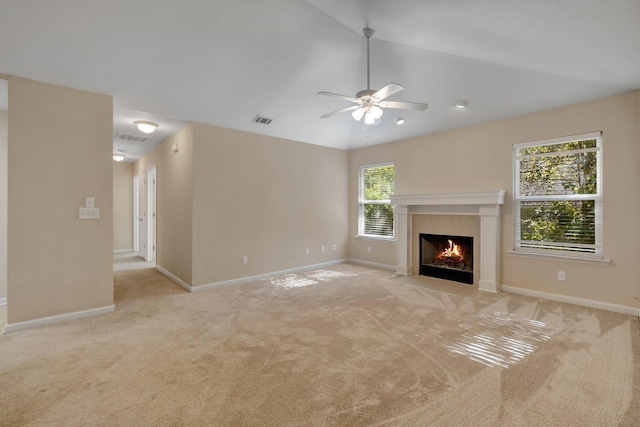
(486,204)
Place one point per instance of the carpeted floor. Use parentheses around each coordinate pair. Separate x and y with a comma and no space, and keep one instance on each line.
(346,346)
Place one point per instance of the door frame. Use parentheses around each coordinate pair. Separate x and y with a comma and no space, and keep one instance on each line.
(136,214)
(151,217)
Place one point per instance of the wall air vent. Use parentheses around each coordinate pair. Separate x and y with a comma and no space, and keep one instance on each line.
(131,137)
(262,120)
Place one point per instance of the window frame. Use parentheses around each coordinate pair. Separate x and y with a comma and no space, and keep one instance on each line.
(597,252)
(362,202)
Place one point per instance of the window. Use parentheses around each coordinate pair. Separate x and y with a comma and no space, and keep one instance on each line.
(558,196)
(376,213)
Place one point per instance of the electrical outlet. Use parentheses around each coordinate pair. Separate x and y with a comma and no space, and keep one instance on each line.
(368,249)
(334,247)
(562,276)
(245,260)
(322,248)
(307,251)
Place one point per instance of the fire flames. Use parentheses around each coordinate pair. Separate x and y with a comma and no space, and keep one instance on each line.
(452,252)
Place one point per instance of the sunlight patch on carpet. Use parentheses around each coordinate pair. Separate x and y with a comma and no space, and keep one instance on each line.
(308,278)
(505,340)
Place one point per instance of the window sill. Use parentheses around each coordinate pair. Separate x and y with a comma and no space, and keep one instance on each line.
(377,239)
(580,260)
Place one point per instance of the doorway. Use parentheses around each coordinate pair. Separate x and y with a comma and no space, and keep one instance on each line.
(144,207)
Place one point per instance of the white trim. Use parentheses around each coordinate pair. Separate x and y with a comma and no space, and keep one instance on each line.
(475,198)
(372,264)
(122,251)
(248,279)
(3,301)
(559,140)
(376,238)
(553,257)
(633,311)
(175,278)
(52,320)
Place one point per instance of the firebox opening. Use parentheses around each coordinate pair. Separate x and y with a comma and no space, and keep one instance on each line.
(447,257)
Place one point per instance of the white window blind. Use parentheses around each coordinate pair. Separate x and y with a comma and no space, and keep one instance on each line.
(376,213)
(558,196)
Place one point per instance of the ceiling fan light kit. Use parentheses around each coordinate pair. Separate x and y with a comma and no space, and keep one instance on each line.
(370,103)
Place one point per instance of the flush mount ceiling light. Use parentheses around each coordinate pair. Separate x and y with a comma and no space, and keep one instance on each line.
(146,127)
(400,121)
(461,104)
(118,157)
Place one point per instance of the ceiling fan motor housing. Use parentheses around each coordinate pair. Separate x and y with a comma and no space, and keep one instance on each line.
(365,93)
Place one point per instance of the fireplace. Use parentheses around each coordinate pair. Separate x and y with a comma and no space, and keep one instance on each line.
(447,257)
(485,204)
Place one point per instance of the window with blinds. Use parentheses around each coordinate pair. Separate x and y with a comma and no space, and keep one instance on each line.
(376,213)
(558,196)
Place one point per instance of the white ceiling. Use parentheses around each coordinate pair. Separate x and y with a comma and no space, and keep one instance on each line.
(223,62)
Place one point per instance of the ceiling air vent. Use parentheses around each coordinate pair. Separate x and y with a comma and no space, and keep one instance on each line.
(262,120)
(131,137)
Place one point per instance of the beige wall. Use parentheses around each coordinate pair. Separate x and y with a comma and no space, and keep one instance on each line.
(122,206)
(60,147)
(479,158)
(265,198)
(3,203)
(174,202)
(228,194)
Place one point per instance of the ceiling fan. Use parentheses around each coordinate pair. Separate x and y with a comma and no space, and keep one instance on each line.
(370,102)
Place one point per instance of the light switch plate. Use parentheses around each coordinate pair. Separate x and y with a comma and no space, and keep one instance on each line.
(89,202)
(89,213)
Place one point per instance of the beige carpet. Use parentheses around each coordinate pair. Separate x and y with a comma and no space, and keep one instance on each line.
(348,346)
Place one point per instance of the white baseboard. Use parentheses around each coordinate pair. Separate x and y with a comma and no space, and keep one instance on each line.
(373,264)
(175,278)
(3,301)
(265,276)
(122,251)
(51,320)
(633,311)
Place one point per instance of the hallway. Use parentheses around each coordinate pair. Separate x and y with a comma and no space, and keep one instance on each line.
(130,261)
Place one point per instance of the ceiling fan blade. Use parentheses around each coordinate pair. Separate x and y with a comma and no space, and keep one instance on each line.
(399,105)
(337,95)
(387,91)
(342,110)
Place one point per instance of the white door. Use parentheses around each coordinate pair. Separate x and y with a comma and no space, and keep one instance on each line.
(136,214)
(142,218)
(151,218)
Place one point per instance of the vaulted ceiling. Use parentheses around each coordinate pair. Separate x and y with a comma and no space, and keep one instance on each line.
(223,62)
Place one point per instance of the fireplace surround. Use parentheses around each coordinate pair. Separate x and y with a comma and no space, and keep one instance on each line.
(485,204)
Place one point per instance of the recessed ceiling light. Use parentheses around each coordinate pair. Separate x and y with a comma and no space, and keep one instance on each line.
(118,157)
(400,121)
(146,127)
(461,104)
